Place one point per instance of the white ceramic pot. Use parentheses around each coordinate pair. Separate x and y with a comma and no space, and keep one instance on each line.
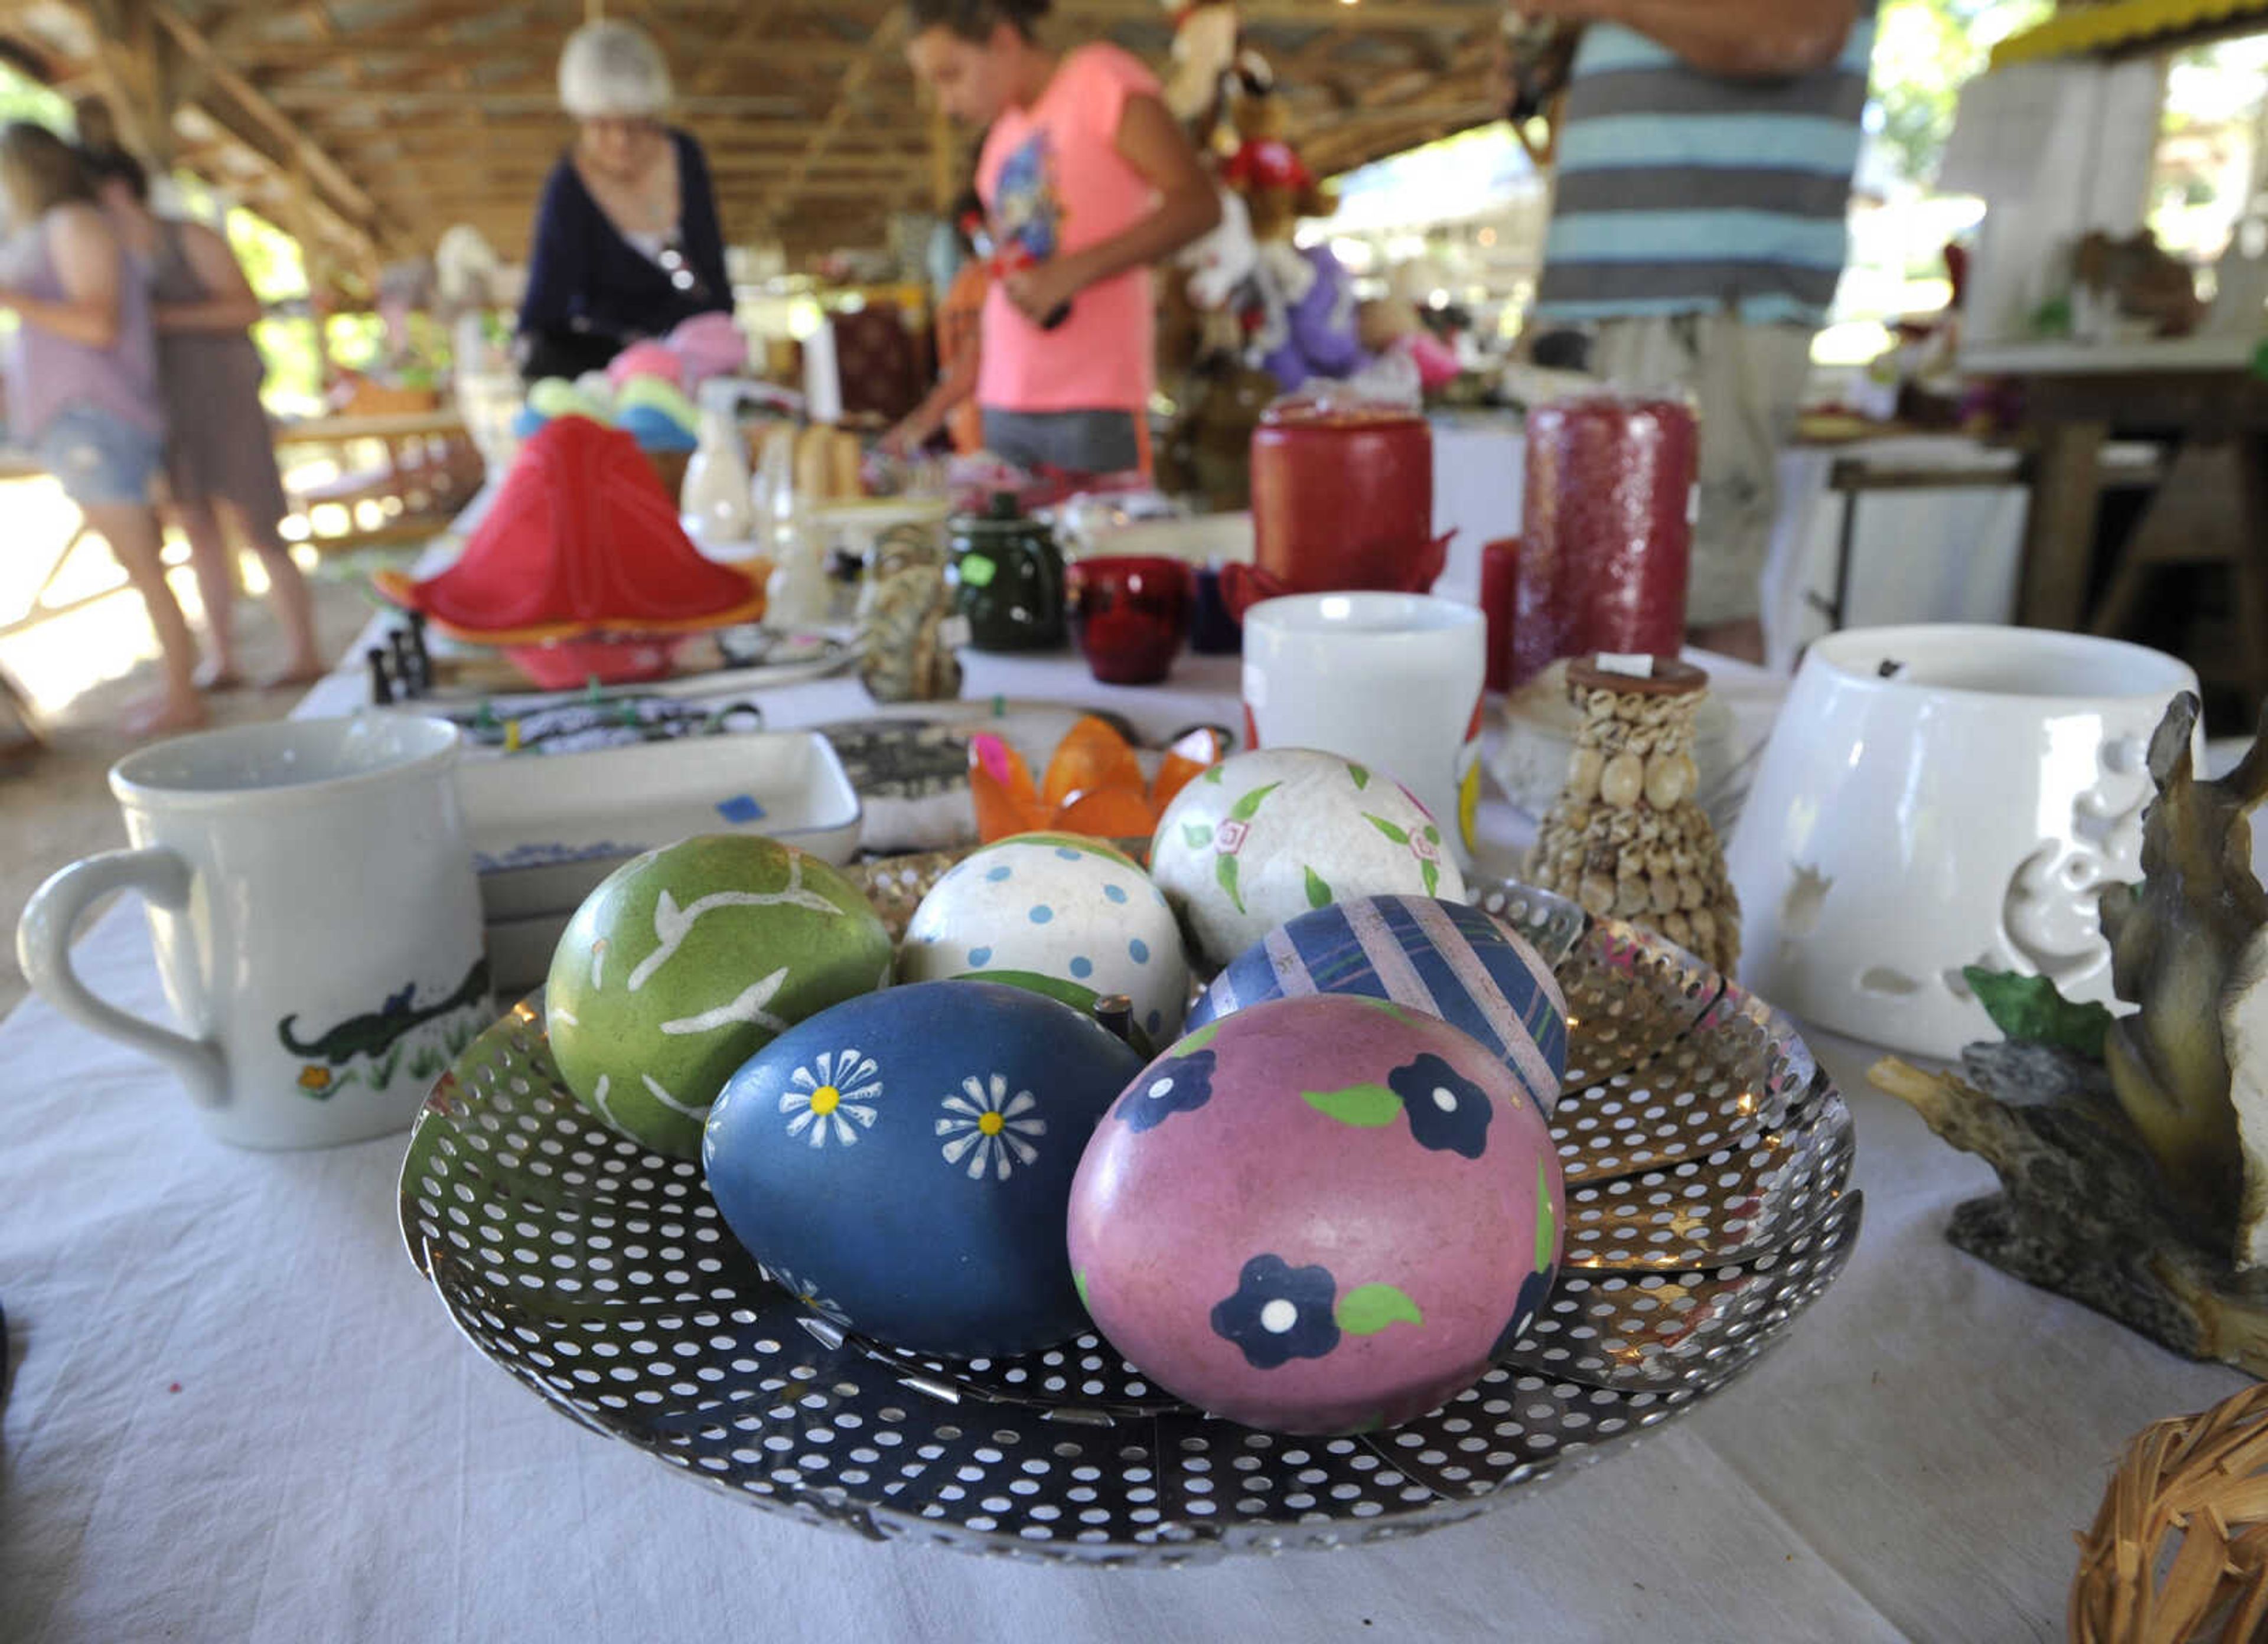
(1963,809)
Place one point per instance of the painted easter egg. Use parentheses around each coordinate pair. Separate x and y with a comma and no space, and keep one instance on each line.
(1445,960)
(1062,916)
(687,961)
(1318,1215)
(1265,837)
(904,1162)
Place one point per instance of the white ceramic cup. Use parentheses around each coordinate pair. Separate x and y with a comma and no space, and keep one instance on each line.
(1393,682)
(1963,810)
(318,925)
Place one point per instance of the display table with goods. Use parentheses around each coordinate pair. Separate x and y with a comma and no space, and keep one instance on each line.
(239,1408)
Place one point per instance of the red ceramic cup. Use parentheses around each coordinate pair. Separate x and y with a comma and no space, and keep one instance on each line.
(1132,613)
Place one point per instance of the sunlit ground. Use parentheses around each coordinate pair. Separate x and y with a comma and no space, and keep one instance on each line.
(100,631)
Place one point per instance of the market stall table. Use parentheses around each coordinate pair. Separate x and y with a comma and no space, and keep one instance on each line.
(2206,393)
(237,1412)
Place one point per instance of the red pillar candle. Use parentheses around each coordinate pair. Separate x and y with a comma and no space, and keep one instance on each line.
(1500,594)
(1608,529)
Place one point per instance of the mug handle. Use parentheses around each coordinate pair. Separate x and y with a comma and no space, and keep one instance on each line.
(43,949)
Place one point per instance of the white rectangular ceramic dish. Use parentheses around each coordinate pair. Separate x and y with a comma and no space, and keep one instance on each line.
(545,831)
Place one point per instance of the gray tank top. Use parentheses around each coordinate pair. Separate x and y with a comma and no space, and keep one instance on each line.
(49,374)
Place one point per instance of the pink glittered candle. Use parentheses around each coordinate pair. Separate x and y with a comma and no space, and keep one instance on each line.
(1608,533)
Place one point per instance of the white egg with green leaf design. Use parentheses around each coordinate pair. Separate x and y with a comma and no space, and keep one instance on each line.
(688,960)
(1057,914)
(1265,837)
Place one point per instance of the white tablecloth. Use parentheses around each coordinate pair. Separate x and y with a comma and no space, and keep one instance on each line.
(239,1414)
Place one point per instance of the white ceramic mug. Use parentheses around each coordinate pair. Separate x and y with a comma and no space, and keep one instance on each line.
(318,926)
(1940,797)
(1391,680)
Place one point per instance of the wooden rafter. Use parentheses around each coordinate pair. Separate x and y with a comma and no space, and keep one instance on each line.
(341,193)
(404,116)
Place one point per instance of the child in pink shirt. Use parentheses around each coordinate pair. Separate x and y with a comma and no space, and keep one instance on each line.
(1088,180)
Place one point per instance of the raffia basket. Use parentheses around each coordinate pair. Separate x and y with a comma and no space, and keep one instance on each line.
(2178,1554)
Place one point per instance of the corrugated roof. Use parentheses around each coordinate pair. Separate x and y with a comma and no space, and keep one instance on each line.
(2093,30)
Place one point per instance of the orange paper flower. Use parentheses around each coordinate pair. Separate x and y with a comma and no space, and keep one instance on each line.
(1093,785)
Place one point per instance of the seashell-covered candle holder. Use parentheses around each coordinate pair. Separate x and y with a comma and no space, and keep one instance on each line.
(1628,839)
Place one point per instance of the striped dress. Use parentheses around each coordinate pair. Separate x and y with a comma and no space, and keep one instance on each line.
(1683,192)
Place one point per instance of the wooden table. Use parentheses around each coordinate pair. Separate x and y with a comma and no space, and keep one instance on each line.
(2203,392)
(432,468)
(338,431)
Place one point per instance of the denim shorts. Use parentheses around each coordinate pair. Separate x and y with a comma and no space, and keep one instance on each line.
(101,460)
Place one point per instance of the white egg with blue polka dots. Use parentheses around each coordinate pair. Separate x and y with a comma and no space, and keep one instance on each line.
(1062,916)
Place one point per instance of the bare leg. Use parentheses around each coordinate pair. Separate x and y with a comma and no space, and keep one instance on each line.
(1743,640)
(294,606)
(131,530)
(209,558)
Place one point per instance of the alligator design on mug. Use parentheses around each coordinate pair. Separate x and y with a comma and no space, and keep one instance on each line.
(379,1031)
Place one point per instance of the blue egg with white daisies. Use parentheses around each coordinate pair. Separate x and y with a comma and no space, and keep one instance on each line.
(1445,958)
(903,1163)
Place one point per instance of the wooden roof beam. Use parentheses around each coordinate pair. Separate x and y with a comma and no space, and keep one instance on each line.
(343,194)
(885,44)
(1387,16)
(421,43)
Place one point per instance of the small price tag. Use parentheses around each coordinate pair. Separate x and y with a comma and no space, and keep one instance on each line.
(1634,667)
(976,571)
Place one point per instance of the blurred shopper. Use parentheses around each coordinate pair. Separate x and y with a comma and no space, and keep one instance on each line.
(627,242)
(83,384)
(1088,180)
(1706,149)
(220,452)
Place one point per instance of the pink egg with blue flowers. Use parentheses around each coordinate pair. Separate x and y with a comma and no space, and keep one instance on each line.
(1323,1214)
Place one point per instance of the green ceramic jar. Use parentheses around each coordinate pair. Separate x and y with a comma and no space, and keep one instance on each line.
(1009,574)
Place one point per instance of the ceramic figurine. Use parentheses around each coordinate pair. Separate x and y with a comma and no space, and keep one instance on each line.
(687,961)
(1061,915)
(1447,960)
(1318,1215)
(1267,836)
(1628,837)
(2133,1152)
(2184,947)
(907,629)
(904,1162)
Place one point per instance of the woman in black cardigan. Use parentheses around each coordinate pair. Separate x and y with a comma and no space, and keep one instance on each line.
(627,244)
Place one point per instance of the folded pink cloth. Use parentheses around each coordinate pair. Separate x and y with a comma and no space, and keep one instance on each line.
(708,345)
(648,359)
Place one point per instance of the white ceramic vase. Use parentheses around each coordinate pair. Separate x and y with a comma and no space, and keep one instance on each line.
(1940,797)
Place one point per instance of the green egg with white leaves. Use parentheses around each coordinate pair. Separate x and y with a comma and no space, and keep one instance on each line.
(688,960)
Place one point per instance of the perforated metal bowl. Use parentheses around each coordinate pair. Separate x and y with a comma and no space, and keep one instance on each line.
(1706,1158)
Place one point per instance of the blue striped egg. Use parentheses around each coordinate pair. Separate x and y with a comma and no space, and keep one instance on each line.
(1445,958)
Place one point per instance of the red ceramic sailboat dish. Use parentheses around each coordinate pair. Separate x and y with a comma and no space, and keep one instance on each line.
(580,568)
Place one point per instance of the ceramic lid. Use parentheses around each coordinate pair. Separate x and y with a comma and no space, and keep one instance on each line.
(1670,678)
(1003,519)
(1348,415)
